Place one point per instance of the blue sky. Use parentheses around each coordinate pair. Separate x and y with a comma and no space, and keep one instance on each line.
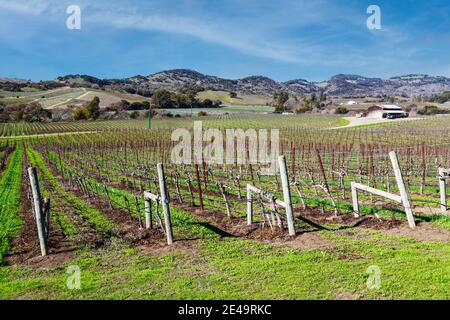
(284,39)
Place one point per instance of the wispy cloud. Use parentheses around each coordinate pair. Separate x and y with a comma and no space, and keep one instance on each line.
(243,41)
(27,7)
(257,34)
(300,34)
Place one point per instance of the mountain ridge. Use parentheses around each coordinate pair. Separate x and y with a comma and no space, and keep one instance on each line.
(340,85)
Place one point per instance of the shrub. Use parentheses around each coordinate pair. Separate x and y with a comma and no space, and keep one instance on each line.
(341,110)
(431,110)
(134,115)
(81,113)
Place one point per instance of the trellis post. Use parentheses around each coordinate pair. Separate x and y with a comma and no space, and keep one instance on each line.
(355,200)
(402,189)
(148,214)
(442,190)
(287,195)
(165,202)
(38,209)
(249,206)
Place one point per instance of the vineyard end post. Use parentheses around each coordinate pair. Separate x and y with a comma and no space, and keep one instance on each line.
(148,214)
(165,202)
(402,189)
(287,194)
(355,200)
(38,209)
(249,206)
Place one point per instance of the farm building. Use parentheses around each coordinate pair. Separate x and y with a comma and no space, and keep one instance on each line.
(385,111)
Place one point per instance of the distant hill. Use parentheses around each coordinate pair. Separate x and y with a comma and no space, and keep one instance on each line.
(342,85)
(13,80)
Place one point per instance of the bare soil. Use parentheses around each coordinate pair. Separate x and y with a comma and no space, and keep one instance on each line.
(25,247)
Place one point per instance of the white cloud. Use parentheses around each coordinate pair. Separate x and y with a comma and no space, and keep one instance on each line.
(27,7)
(299,31)
(238,39)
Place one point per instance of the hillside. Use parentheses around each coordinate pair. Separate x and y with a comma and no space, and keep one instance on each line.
(342,85)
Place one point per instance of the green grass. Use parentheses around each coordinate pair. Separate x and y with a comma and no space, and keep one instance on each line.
(220,111)
(243,269)
(93,216)
(10,185)
(343,122)
(240,100)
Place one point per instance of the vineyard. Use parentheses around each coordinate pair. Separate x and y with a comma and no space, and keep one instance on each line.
(96,173)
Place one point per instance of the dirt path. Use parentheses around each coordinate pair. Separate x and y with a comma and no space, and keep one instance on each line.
(85,92)
(356,122)
(48,134)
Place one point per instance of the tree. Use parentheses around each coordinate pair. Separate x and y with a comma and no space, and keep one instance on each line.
(279,99)
(207,103)
(182,100)
(35,113)
(162,99)
(322,97)
(192,97)
(93,108)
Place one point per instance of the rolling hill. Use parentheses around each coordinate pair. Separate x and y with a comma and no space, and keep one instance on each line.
(342,85)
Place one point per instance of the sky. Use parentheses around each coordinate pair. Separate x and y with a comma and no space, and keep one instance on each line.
(284,39)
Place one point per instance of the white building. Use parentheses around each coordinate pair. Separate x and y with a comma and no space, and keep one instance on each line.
(385,110)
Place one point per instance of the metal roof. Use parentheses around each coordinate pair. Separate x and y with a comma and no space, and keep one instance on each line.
(389,106)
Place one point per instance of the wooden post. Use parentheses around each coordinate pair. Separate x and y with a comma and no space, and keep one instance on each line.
(249,206)
(148,214)
(165,203)
(189,185)
(105,188)
(224,196)
(138,211)
(442,190)
(46,218)
(38,209)
(355,200)
(287,195)
(402,189)
(199,187)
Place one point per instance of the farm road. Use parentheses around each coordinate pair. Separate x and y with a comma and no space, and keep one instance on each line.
(356,122)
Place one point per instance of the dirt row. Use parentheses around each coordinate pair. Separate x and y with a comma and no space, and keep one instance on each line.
(26,250)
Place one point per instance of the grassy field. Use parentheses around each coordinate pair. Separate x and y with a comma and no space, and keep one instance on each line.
(62,97)
(221,111)
(241,269)
(240,100)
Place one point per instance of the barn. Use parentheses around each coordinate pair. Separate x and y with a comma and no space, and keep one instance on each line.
(385,110)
